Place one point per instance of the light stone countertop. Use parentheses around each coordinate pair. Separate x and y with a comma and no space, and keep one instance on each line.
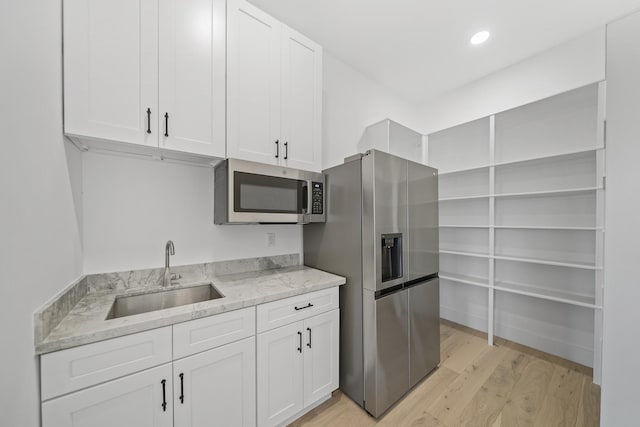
(85,323)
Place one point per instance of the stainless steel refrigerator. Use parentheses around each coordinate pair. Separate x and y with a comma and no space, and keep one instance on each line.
(381,233)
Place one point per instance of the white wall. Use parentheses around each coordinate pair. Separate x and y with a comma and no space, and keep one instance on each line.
(133,206)
(570,65)
(40,252)
(352,101)
(620,370)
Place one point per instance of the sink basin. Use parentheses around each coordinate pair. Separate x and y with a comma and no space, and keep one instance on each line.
(143,303)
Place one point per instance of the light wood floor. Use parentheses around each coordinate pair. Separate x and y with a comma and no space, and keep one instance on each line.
(505,385)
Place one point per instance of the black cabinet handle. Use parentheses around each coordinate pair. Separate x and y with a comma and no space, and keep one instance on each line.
(164,395)
(302,308)
(148,120)
(300,346)
(181,388)
(309,343)
(277,148)
(286,150)
(166,124)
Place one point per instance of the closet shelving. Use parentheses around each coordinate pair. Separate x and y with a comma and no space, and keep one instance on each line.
(521,220)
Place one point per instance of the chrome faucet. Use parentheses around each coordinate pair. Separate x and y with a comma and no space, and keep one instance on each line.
(168,250)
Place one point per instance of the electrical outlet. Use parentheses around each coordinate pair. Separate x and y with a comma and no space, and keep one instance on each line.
(271,240)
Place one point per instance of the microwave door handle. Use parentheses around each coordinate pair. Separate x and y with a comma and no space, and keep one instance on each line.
(305,198)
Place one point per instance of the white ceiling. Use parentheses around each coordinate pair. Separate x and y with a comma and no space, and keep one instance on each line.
(420,48)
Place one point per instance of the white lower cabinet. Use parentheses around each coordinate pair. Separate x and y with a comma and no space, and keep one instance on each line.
(204,372)
(297,366)
(216,387)
(321,356)
(138,400)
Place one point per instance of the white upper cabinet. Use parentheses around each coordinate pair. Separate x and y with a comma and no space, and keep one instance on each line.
(146,72)
(253,103)
(301,100)
(111,69)
(192,76)
(274,104)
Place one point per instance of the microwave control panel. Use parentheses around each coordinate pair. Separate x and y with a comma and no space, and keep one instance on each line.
(317,198)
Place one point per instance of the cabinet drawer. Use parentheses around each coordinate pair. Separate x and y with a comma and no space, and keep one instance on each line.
(79,367)
(210,332)
(288,310)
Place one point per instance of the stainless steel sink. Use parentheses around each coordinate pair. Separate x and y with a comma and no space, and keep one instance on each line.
(143,303)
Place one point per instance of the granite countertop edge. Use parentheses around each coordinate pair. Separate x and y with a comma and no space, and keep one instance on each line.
(85,323)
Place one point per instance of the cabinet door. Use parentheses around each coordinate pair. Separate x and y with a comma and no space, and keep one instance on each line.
(301,101)
(192,76)
(321,355)
(217,386)
(253,91)
(111,69)
(280,392)
(132,401)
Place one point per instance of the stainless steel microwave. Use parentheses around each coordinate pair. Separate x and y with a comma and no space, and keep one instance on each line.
(256,193)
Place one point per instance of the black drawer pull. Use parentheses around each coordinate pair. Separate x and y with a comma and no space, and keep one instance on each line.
(182,388)
(148,120)
(277,148)
(309,343)
(164,395)
(166,125)
(302,308)
(300,346)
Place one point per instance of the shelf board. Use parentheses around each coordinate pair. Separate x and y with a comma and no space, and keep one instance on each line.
(547,262)
(513,162)
(467,280)
(481,196)
(455,171)
(469,254)
(523,227)
(526,260)
(464,226)
(564,192)
(544,227)
(548,157)
(547,294)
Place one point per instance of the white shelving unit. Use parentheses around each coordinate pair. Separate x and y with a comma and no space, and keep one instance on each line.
(521,223)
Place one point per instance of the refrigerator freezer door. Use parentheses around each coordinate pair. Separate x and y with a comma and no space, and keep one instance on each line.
(392,353)
(422,221)
(424,326)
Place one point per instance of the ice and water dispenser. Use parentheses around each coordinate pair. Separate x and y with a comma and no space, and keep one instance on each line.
(391,256)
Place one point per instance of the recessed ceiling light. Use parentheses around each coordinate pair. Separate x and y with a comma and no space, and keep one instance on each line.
(480,37)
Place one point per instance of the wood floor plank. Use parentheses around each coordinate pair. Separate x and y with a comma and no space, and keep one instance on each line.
(485,407)
(450,405)
(556,360)
(452,346)
(498,421)
(467,351)
(560,407)
(413,408)
(589,412)
(524,404)
(446,331)
(338,411)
